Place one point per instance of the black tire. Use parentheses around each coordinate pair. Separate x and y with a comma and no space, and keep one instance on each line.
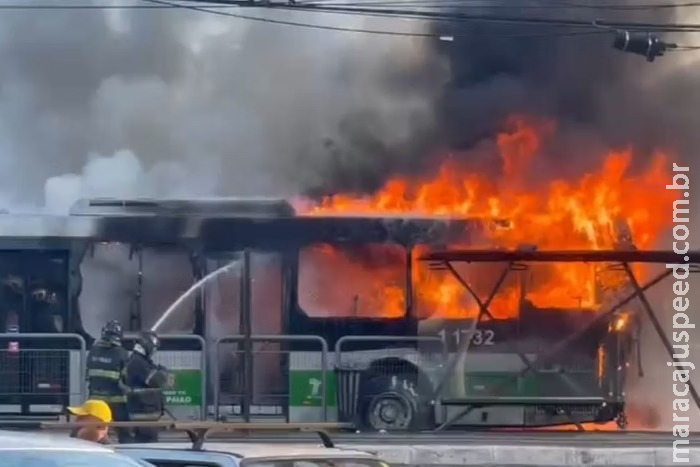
(393,403)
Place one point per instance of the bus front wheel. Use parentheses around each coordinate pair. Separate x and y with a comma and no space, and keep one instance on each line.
(393,403)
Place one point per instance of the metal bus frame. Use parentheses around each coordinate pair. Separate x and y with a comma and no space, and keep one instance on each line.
(244,226)
(621,260)
(209,227)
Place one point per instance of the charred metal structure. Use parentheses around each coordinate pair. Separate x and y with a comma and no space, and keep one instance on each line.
(575,397)
(40,266)
(407,371)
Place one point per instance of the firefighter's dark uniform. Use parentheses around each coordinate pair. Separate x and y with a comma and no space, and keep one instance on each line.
(106,363)
(146,381)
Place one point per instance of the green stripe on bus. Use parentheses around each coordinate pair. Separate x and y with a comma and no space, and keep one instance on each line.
(305,388)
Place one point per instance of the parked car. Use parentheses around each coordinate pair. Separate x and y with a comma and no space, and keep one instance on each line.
(248,455)
(30,449)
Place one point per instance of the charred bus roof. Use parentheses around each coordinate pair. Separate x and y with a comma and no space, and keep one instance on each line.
(215,207)
(222,225)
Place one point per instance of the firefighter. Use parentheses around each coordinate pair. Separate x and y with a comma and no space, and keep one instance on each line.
(106,365)
(147,381)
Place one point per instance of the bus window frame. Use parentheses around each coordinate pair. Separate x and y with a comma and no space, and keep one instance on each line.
(407,288)
(87,249)
(26,258)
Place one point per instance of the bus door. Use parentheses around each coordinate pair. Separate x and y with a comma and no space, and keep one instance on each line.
(34,300)
(270,363)
(248,297)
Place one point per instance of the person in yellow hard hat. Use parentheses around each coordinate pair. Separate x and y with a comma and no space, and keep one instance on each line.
(93,411)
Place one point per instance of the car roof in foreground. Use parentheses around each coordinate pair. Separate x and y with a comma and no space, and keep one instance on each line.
(16,440)
(261,450)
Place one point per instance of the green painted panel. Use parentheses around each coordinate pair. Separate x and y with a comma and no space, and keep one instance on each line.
(486,384)
(187,388)
(305,388)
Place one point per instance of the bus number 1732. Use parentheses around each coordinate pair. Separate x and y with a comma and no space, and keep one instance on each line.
(454,338)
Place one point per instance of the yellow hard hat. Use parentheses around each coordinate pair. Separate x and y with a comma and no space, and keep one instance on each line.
(94,408)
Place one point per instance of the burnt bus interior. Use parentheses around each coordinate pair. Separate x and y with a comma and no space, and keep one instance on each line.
(34,298)
(270,294)
(70,283)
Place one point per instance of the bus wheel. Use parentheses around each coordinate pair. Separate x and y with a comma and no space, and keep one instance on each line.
(393,404)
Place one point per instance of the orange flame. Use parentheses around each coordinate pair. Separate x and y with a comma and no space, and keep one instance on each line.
(591,212)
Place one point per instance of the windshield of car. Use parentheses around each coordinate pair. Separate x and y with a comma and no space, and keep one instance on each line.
(62,458)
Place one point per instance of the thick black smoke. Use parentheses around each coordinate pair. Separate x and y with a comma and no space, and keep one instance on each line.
(600,98)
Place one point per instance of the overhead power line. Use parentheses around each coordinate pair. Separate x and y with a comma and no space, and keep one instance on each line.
(586,28)
(490,5)
(211,6)
(462,4)
(359,30)
(467,17)
(20,7)
(331,7)
(94,7)
(294,23)
(649,46)
(471,4)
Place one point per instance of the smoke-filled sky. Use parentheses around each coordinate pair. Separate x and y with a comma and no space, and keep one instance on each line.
(183,103)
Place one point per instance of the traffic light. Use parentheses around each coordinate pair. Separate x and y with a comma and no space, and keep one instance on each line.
(641,43)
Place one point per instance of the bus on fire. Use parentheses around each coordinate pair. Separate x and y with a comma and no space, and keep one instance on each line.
(389,321)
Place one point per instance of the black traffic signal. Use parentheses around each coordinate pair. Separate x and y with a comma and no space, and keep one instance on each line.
(640,43)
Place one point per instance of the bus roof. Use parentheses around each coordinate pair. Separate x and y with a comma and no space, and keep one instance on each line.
(222,225)
(202,207)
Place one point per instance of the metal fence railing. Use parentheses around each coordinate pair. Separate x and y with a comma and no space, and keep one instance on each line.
(185,356)
(41,373)
(265,379)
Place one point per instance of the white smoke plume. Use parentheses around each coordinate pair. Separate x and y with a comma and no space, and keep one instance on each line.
(204,104)
(177,103)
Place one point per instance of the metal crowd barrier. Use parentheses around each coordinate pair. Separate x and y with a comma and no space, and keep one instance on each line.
(189,369)
(238,377)
(41,373)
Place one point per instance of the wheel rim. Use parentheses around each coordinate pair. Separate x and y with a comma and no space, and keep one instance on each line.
(390,412)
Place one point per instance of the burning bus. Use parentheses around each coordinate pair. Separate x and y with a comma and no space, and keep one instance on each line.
(327,312)
(387,345)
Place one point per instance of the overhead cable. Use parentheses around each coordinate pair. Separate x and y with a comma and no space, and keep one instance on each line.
(473,18)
